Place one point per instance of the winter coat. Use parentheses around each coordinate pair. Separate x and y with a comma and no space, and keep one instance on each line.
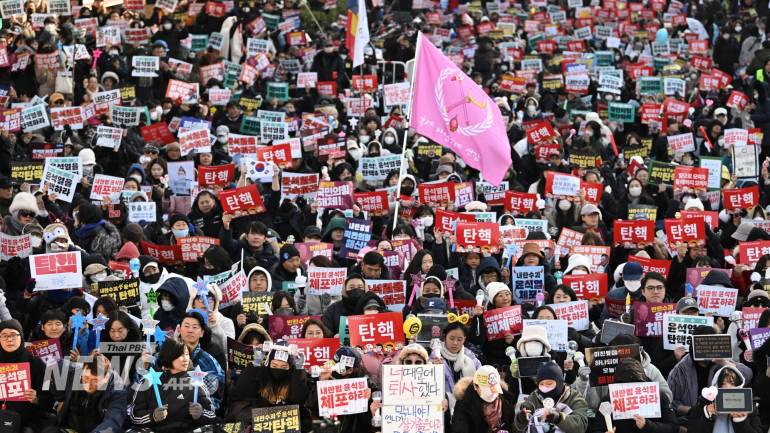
(683,381)
(177,398)
(210,224)
(666,423)
(102,238)
(331,317)
(468,415)
(451,377)
(701,422)
(575,422)
(111,404)
(184,295)
(265,257)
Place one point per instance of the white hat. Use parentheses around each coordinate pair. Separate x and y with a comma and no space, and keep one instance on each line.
(534,333)
(589,209)
(23,201)
(494,289)
(576,260)
(720,110)
(87,157)
(694,203)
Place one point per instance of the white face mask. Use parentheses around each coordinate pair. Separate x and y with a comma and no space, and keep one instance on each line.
(488,395)
(153,115)
(363,139)
(356,153)
(167,26)
(635,191)
(58,246)
(579,272)
(114,52)
(50,28)
(546,389)
(427,221)
(565,205)
(36,241)
(533,348)
(531,109)
(166,305)
(633,285)
(389,139)
(99,277)
(136,177)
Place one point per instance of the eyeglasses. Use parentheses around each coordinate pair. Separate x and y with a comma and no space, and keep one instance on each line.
(26,213)
(417,362)
(655,288)
(10,337)
(58,102)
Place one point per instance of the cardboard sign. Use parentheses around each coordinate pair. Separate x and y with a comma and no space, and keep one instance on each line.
(275,418)
(369,330)
(719,301)
(286,327)
(56,271)
(412,384)
(648,317)
(317,351)
(741,198)
(335,195)
(638,398)
(710,347)
(244,199)
(500,322)
(326,280)
(589,286)
(575,313)
(124,292)
(15,246)
(734,400)
(15,378)
(49,351)
(342,397)
(604,360)
(678,329)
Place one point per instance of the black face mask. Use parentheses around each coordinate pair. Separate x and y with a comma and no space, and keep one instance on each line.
(351,298)
(152,279)
(279,374)
(431,295)
(407,190)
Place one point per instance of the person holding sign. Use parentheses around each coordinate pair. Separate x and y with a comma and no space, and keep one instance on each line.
(483,405)
(630,371)
(176,411)
(704,417)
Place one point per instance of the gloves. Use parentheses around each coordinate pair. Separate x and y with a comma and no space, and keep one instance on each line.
(160,413)
(553,417)
(196,410)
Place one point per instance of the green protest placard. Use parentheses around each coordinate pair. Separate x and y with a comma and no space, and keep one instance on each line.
(278,91)
(232,72)
(650,86)
(660,62)
(661,173)
(621,112)
(604,58)
(271,21)
(250,125)
(199,43)
(642,212)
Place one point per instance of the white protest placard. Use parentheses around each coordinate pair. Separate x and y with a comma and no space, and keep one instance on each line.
(14,246)
(736,137)
(636,398)
(396,95)
(610,81)
(714,166)
(34,118)
(681,143)
(254,46)
(145,66)
(745,161)
(583,33)
(11,8)
(62,182)
(678,329)
(412,419)
(139,211)
(575,313)
(271,116)
(104,186)
(342,397)
(719,301)
(326,280)
(564,184)
(307,80)
(412,384)
(167,5)
(59,7)
(219,97)
(674,86)
(215,40)
(107,136)
(67,163)
(273,131)
(125,116)
(56,271)
(377,167)
(557,332)
(196,141)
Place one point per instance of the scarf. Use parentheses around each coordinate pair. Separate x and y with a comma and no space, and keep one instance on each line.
(460,361)
(493,412)
(87,228)
(17,225)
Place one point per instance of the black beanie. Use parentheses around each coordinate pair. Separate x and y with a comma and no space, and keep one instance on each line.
(89,214)
(178,217)
(12,324)
(287,252)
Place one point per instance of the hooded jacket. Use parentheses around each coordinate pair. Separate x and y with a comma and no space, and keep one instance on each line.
(468,416)
(265,272)
(721,423)
(222,327)
(574,422)
(254,327)
(183,294)
(486,263)
(683,380)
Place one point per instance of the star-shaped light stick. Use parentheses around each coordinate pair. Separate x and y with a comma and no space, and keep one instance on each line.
(202,289)
(153,377)
(78,321)
(196,379)
(148,328)
(99,322)
(160,336)
(152,301)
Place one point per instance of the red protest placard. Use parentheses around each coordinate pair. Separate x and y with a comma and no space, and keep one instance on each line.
(49,350)
(216,175)
(652,265)
(308,250)
(364,83)
(317,351)
(544,151)
(694,178)
(215,9)
(15,378)
(520,202)
(741,198)
(444,220)
(593,191)
(589,286)
(540,132)
(181,90)
(369,330)
(750,252)
(373,202)
(436,194)
(193,247)
(477,236)
(244,199)
(335,195)
(709,217)
(567,239)
(158,133)
(503,321)
(166,254)
(737,100)
(392,292)
(280,154)
(326,88)
(634,231)
(681,230)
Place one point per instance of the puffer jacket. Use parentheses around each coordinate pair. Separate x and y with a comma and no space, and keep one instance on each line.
(468,414)
(574,422)
(102,239)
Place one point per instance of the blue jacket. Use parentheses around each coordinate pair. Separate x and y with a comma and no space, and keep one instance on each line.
(111,405)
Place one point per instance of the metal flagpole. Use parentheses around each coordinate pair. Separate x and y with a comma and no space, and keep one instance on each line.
(406,127)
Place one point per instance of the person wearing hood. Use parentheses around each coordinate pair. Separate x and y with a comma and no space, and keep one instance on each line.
(569,411)
(275,382)
(206,214)
(703,417)
(94,233)
(34,408)
(222,327)
(288,267)
(496,295)
(430,299)
(390,140)
(179,412)
(631,283)
(630,371)
(352,292)
(689,376)
(483,403)
(488,272)
(259,281)
(175,297)
(23,211)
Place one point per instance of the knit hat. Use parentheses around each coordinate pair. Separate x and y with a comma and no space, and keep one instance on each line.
(89,213)
(178,217)
(55,231)
(287,252)
(347,352)
(550,371)
(110,74)
(576,260)
(534,333)
(694,203)
(23,201)
(127,251)
(87,157)
(12,324)
(494,289)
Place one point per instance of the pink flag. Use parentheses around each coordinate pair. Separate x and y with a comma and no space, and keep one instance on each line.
(452,110)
